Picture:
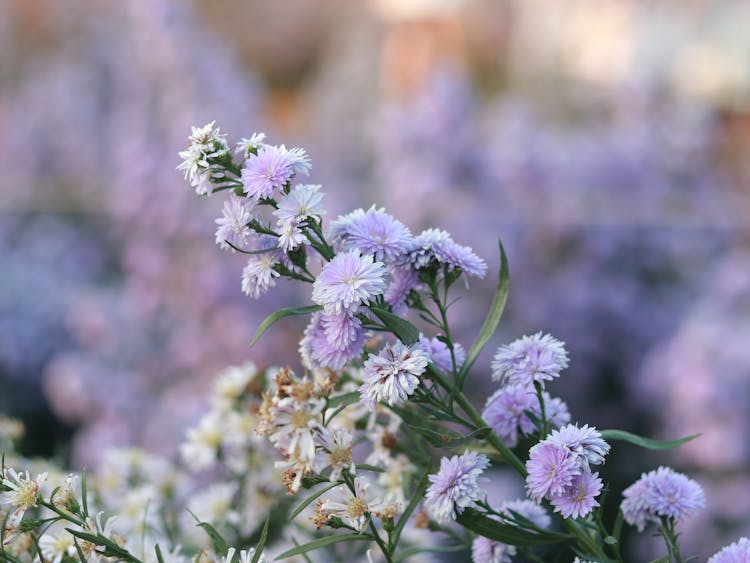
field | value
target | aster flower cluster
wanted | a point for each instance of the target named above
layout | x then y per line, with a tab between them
559	470
376	389
662	493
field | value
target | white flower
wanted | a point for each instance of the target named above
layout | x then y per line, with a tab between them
393	374
215	504
245	146
232	225
55	546
259	275
303	201
350	507
231	384
22	494
337	445
206	144
200	449
295	426
246	556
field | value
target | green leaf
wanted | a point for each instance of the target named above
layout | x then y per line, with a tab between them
220	544
493	317
368	467
505	533
344	400
261	543
159	557
84	494
438	439
280	314
403	329
305	503
647	443
323	542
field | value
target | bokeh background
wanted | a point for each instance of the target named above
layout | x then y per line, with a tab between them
606	142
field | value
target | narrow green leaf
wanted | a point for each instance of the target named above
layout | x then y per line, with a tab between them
305	503
505	533
261	543
403	329
79	551
323	542
159	557
84	494
280	314
344	400
368	467
647	443
439	439
220	544
493	317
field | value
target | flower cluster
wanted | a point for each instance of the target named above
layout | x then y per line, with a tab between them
662	493
738	552
559	470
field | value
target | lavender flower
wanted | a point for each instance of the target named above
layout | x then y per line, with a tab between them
331	340
455	486
505	412
485	550
348	280
662	492
403	280
585	443
550	469
372	232
738	552
393	374
579	498
303	201
440	355
232	225
271	169
435	246
259	275
529	359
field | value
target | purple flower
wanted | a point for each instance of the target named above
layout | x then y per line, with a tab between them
662	492
232	225
537	358
393	374
579	498
505	412
440	355
271	169
341	329
259	275
372	232
550	469
455	486
318	350
348	280
485	550
403	280
585	443
437	246
738	552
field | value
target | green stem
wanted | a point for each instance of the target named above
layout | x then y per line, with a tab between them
476	418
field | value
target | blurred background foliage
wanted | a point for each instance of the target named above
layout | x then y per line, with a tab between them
606	142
